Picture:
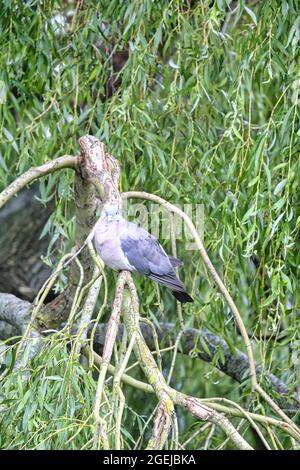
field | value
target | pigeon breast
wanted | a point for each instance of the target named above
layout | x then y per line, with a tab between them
107	243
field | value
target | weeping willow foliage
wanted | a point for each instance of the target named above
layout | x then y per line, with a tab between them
199	101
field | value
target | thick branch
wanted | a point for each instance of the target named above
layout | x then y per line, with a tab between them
96	172
100	169
14	312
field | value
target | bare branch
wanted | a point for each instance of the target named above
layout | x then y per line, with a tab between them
15	312
67	161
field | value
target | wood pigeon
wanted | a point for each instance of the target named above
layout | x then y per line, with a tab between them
123	245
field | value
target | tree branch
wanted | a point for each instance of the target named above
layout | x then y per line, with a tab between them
235	364
67	161
168	396
211	402
15	314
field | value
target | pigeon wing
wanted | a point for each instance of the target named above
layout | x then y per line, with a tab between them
144	251
147	256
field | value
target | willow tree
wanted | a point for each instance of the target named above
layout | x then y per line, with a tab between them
178	104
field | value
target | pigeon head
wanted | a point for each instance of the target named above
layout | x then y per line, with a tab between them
111	213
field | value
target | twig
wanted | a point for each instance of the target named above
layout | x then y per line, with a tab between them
117	387
195	434
176	345
77	296
99	263
87	311
127	379
110	338
247	416
155	339
209	437
174	253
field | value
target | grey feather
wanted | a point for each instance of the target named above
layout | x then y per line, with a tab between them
144	252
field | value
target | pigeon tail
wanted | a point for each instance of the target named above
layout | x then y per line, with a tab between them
182	296
171	281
